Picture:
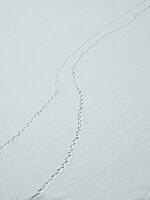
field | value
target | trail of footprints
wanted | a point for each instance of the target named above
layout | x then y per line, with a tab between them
39	194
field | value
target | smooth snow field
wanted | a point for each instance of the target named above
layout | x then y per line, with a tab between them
101	110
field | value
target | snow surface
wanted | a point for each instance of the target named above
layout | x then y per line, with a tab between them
112	159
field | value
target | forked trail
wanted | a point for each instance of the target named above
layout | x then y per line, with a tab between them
79	128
